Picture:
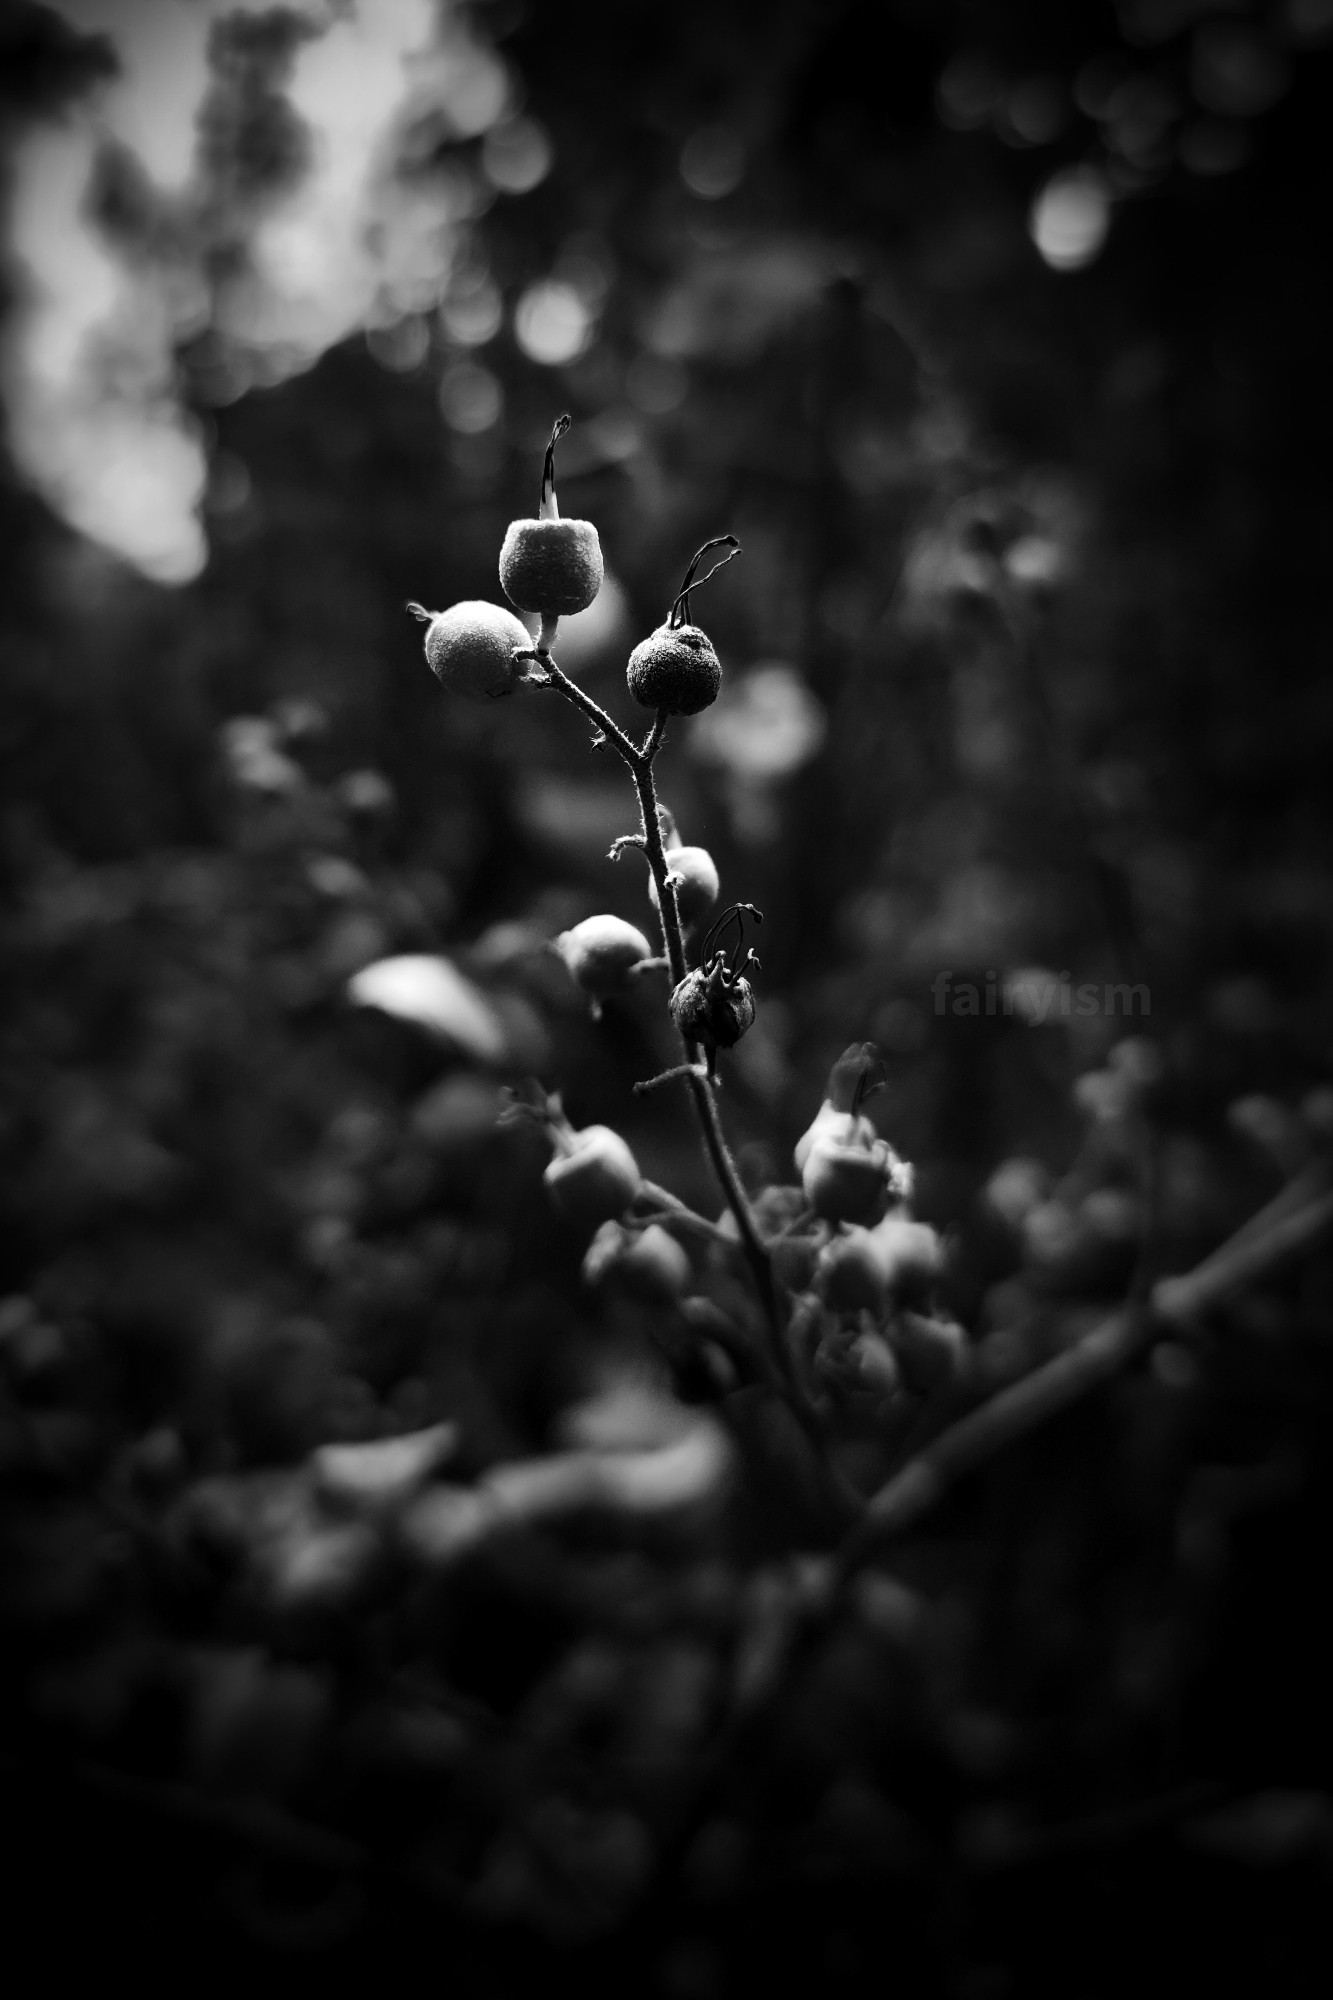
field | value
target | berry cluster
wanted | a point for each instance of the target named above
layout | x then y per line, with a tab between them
842	1307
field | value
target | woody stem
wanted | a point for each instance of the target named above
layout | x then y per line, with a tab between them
640	763
705	1100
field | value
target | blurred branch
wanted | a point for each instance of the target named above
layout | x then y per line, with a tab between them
1172	1303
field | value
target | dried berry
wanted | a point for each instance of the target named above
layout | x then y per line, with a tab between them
714	1004
471	648
551	566
676	668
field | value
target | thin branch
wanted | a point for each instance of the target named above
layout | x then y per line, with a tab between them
1173	1302
701	1090
571	690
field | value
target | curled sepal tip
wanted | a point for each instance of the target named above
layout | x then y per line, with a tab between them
680	609
549	508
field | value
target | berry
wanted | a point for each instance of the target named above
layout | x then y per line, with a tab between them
676	670
849	1273
714	1004
600	953
553	567
596	1180
711	1008
471	649
697	883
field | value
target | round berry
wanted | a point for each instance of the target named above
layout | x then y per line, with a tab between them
601	952
697	883
553	567
676	669
471	649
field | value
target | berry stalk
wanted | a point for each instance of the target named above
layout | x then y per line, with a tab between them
640	764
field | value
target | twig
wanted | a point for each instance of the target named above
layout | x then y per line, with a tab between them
1172	1302
701	1088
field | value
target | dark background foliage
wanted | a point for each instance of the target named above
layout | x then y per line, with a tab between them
1033	586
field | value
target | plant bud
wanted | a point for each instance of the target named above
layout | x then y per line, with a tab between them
597	1180
847	1128
551	567
911	1254
931	1352
857	1361
848	1183
697	883
471	649
649	1264
849	1273
794	1259
676	669
600	953
876	1365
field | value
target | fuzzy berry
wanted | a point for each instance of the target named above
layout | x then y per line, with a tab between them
596	1180
471	649
552	567
676	670
601	952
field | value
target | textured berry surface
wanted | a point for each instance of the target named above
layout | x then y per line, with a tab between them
551	567
471	649
675	670
706	1009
